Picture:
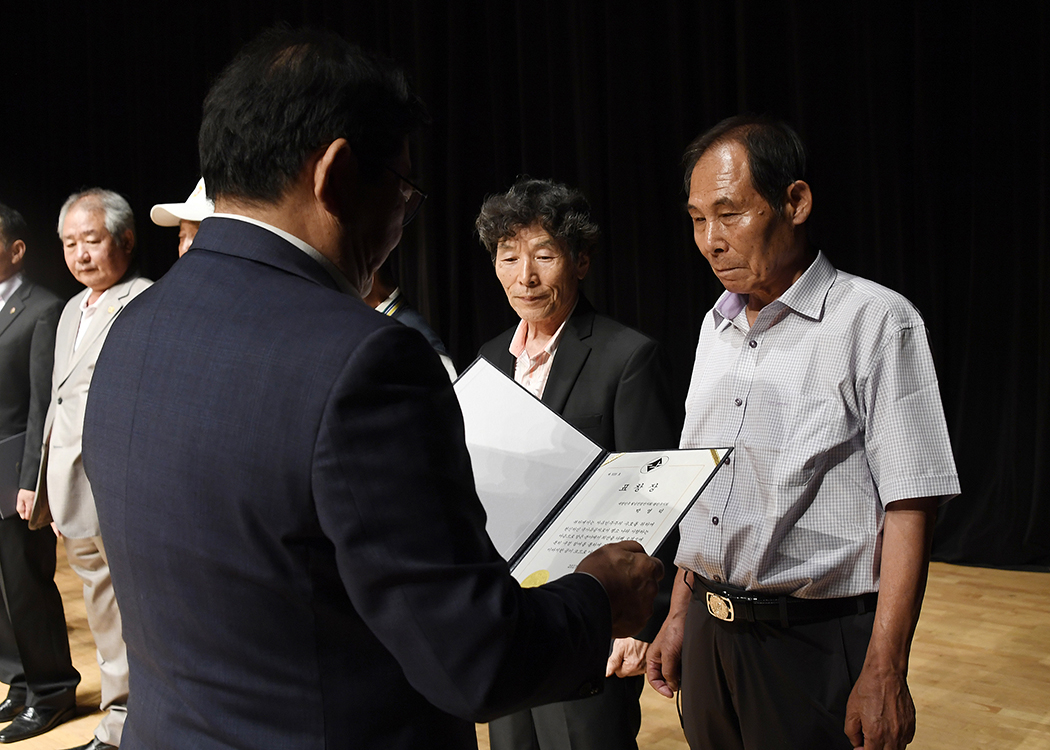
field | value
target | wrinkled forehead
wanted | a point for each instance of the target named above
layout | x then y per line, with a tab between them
721	165
532	235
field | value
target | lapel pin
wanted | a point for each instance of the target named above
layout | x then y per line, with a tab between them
12	311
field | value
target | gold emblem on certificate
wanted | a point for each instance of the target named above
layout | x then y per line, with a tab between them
532	580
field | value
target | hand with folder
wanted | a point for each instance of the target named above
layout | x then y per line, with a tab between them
630	579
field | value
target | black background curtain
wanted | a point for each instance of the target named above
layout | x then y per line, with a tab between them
927	125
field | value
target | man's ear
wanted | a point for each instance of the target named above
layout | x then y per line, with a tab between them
127	241
799	202
583	264
334	176
18	251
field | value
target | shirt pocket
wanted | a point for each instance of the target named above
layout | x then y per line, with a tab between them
776	466
792	441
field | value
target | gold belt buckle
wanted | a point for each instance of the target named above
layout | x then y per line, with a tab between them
720	607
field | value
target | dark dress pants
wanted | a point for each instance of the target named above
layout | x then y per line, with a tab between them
607	721
34	644
760	685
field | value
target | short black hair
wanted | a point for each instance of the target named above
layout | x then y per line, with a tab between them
776	156
562	211
289	93
12	225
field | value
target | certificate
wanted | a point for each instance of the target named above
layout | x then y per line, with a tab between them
552	496
637	496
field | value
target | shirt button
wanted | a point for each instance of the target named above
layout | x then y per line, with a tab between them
738	402
729	460
718	579
753	343
715	520
60	399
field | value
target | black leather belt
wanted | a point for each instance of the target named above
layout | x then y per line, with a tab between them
731	604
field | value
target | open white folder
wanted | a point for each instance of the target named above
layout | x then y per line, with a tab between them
552	496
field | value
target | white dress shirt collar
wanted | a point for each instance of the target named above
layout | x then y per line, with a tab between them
341	281
9	287
391	304
87	312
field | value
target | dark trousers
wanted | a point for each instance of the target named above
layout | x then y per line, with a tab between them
760	685
607	721
34	644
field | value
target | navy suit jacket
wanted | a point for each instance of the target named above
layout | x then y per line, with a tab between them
289	513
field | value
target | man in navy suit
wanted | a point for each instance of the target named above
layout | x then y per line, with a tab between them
280	471
387	298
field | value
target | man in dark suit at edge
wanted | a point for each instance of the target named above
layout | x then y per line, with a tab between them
607	380
387	298
34	647
280	470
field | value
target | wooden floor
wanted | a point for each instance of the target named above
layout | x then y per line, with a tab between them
81	729
980	671
980	666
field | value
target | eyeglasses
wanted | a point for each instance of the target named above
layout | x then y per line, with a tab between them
413	196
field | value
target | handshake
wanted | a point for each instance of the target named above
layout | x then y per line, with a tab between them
630	578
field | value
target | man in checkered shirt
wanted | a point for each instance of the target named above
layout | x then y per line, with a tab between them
802	566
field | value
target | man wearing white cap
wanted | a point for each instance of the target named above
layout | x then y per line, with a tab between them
187	216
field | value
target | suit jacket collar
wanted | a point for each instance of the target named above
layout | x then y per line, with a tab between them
572	353
502	357
242	239
15	304
569	359
114	302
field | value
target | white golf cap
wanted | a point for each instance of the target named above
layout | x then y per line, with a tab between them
195	208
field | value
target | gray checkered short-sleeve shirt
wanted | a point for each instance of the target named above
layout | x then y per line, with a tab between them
830	401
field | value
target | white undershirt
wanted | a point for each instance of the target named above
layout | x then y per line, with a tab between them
87	312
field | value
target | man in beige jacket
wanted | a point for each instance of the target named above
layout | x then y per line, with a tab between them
97	231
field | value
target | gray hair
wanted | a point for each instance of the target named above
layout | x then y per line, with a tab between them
119	218
562	211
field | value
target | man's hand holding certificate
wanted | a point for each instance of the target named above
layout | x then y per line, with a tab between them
630	578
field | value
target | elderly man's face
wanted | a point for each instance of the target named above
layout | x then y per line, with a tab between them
539	276
751	248
94	256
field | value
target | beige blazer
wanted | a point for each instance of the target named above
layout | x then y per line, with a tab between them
62	490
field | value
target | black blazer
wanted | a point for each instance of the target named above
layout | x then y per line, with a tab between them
608	381
611	383
27	353
291	522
